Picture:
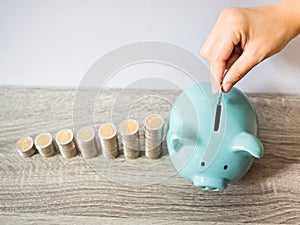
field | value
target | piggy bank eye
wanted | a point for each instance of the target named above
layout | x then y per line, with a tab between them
225	167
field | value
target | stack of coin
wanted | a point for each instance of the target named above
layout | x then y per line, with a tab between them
109	140
25	146
130	138
153	130
86	142
65	143
44	144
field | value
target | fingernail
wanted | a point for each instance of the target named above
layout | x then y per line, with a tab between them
227	86
214	84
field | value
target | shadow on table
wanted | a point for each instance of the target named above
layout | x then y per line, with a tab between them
273	162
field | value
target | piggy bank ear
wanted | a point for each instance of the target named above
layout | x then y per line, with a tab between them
174	142
248	143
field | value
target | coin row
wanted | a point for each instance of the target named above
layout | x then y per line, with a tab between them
108	135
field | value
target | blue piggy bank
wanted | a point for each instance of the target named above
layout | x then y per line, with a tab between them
212	158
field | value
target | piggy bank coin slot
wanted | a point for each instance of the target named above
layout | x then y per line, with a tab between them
218	111
217	117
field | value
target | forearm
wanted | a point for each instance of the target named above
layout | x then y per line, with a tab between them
290	10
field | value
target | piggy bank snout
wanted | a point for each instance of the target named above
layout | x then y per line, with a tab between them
209	183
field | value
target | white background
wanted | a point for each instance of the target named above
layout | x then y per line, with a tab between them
54	42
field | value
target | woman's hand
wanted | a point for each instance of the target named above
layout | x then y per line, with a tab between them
243	37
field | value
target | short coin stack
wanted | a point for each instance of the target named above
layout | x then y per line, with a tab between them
153	130
109	140
86	142
66	145
44	144
129	131
25	146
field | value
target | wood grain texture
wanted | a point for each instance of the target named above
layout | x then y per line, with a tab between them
58	190
28	218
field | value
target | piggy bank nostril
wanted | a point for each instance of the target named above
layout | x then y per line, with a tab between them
205	188
208	188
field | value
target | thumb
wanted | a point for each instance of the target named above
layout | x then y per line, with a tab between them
239	69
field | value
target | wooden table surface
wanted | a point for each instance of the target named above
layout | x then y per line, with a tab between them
36	190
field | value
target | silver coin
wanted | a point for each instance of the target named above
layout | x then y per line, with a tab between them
44	144
25	146
130	138
85	139
109	141
65	143
153	131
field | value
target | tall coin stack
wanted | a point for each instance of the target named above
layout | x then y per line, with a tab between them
86	142
109	140
25	146
130	138
65	143
153	130
44	144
